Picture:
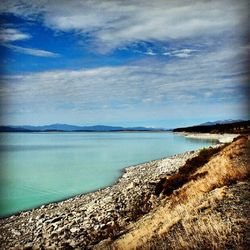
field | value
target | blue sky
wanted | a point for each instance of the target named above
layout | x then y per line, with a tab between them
130	63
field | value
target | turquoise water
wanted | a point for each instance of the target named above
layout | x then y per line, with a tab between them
38	168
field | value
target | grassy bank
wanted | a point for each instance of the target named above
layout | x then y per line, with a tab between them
204	206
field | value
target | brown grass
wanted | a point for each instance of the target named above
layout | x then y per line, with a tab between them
188	218
169	184
208	232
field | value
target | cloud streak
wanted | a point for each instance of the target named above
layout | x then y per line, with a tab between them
32	52
181	53
10	35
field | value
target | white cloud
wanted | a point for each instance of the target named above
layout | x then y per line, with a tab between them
182	53
116	23
30	51
150	52
11	35
202	79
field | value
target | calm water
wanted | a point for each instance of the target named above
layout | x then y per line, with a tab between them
37	168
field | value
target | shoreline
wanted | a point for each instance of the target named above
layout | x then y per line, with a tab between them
122	171
96	215
221	138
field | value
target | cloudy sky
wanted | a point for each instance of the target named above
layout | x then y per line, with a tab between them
158	63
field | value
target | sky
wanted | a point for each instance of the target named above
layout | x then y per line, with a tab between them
147	63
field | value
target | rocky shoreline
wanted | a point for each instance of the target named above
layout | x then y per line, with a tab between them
83	221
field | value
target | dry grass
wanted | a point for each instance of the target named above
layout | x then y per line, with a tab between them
169	184
188	219
203	233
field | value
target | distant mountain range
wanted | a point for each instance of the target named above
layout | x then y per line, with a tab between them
242	127
220	122
73	128
96	128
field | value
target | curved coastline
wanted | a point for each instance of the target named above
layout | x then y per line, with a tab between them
221	138
94	215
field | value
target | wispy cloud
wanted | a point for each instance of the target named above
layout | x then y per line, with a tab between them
182	53
11	35
150	52
30	51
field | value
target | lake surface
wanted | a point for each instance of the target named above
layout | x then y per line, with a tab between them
38	168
